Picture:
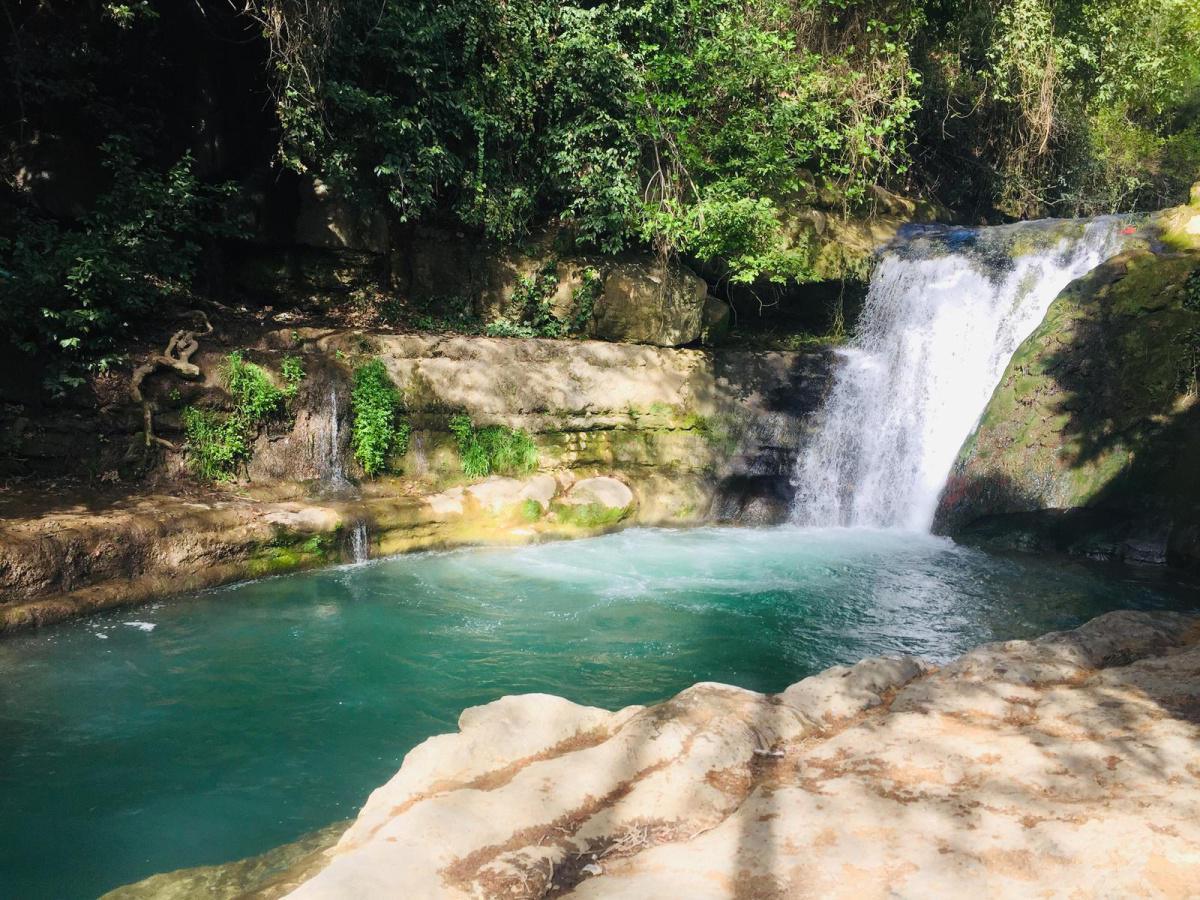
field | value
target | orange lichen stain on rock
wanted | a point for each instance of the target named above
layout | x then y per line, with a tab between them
1021	865
1171	878
489	781
825	839
734	781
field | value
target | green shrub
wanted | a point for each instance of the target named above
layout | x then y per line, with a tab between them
510	451
255	396
493	449
71	291
218	442
530	313
291	370
531	510
377	431
475	462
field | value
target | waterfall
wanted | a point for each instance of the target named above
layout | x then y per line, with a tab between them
335	469
945	312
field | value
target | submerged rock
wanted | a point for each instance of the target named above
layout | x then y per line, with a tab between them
1046	767
265	877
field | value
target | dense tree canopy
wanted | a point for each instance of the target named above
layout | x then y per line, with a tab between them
689	126
686	122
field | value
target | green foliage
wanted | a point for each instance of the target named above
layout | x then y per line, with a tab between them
1191	292
630	123
126	14
218	442
455	313
291	370
529	311
377	432
255	396
530	510
72	293
583	301
493	449
1047	106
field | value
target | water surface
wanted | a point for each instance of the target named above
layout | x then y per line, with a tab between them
218	726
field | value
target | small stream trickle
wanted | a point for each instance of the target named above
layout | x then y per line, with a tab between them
360	543
335	472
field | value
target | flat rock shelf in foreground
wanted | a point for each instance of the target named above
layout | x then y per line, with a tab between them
1064	766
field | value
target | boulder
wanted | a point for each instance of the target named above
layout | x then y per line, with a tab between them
601	491
540	488
496	493
1033	768
1088	444
645	302
716	321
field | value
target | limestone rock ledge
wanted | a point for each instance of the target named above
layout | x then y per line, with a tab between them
84	557
1063	766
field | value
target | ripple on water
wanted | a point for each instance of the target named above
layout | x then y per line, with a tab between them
219	726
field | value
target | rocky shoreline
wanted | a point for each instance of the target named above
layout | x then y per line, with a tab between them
625	435
1064	766
85	557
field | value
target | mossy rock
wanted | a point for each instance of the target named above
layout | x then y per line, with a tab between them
291	553
1098	409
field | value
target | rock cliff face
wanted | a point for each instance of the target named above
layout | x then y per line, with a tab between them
1065	766
1090	442
625	434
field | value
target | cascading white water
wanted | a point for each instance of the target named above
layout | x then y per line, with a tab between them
335	474
945	312
360	547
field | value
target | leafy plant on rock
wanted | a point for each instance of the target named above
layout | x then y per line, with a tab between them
493	449
377	430
218	442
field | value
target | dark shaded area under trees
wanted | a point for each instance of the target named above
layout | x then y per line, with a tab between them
141	141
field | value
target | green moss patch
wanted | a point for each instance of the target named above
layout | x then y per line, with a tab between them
587	515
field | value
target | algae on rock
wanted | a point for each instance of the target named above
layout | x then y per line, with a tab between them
1089	444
